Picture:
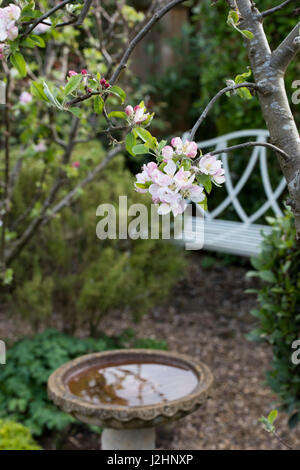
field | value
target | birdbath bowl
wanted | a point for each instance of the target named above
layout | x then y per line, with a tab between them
130	392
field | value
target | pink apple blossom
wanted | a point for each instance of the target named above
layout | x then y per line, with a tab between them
42	28
183	178
209	164
1	51
136	115
186	148
76	164
71	73
167	152
145	176
139	115
194	192
8	16
218	176
25	97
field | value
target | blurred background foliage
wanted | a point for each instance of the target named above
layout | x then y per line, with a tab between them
66	269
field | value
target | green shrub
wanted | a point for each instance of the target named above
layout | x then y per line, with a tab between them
278	314
15	436
67	269
29	363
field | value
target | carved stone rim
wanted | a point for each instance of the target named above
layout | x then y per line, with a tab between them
59	392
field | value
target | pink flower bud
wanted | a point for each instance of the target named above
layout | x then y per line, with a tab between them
71	73
102	81
167	152
107	85
129	110
76	164
84	72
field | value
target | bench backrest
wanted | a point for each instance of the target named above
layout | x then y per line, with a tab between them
258	156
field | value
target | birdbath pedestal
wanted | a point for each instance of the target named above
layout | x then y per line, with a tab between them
130	392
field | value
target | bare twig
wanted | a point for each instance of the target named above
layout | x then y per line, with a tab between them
249	144
142	33
277	8
214	99
46	15
282	441
84	12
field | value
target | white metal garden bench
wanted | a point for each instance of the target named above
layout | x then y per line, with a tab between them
240	238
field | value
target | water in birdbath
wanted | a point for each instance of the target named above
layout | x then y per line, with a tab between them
133	383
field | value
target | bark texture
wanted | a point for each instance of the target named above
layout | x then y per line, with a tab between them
269	69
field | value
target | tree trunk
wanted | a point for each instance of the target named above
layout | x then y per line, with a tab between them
269	69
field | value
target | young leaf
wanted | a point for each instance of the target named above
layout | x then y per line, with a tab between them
38	41
98	104
73	84
145	135
140	149
233	18
18	61
37	90
118	114
52	98
205	181
272	416
75	111
117	91
247	33
130	142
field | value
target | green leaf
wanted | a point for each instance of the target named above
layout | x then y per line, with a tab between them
130	142
267	276
18	61
27	42
140	149
117	91
98	104
37	90
272	416
146	136
51	97
244	93
243	76
38	41
75	111
118	114
73	84
232	18
247	33
205	180
203	204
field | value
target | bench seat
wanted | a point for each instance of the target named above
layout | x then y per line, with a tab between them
230	237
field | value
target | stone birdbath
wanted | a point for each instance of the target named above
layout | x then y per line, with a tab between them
130	392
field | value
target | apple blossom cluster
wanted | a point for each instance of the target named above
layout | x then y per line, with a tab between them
174	180
8	29
136	115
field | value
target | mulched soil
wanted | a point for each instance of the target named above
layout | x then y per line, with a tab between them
207	316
